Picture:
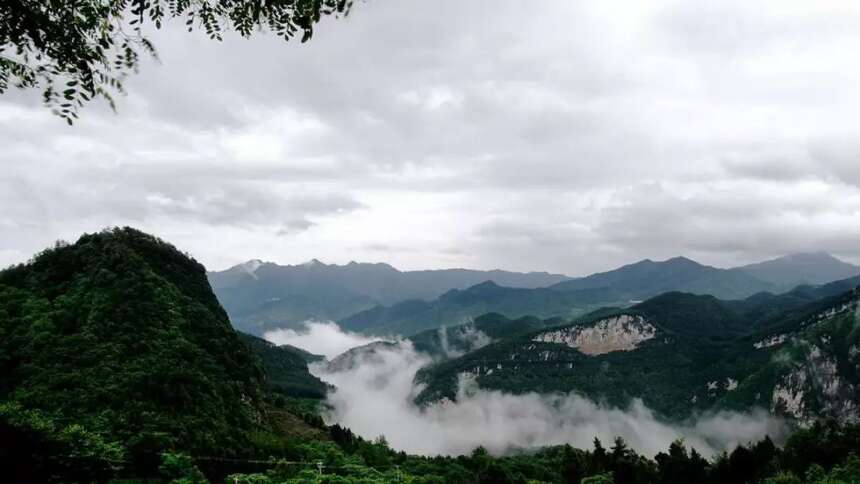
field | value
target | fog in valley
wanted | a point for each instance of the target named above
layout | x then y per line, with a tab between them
320	338
374	397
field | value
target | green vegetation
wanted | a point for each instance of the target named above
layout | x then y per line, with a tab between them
114	349
118	363
260	296
824	453
74	51
702	357
458	306
286	368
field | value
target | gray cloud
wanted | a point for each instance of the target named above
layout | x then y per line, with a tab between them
569	137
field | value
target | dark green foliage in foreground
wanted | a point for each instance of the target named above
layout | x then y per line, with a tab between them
74	51
822	454
120	337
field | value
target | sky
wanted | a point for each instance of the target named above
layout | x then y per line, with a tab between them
563	136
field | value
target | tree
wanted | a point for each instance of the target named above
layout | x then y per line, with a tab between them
76	50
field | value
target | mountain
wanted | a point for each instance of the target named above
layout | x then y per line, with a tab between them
453	341
260	296
115	348
648	278
458	306
286	368
803	268
681	354
812	372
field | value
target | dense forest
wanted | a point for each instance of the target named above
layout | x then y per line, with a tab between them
118	363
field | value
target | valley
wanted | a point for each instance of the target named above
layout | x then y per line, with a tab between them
116	351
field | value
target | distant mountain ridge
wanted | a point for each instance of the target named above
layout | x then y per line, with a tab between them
378	298
648	278
801	268
458	306
262	295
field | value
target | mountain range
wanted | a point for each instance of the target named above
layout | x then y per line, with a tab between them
261	295
682	354
377	298
118	362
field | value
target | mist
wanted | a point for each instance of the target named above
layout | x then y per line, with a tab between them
374	397
319	337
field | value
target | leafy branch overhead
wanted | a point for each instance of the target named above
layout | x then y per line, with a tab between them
77	50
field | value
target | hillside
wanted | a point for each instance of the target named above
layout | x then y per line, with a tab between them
681	353
648	278
459	306
115	348
260	295
802	268
286	368
452	341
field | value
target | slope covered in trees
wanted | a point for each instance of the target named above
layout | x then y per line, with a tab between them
115	348
682	353
260	296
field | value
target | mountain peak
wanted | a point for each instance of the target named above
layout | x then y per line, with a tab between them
312	263
790	270
488	284
681	260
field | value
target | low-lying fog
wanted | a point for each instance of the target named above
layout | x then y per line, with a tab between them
374	397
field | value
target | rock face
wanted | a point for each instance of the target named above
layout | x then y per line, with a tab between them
818	376
618	333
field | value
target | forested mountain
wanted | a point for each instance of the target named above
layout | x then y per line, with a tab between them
260	295
648	278
286	368
117	363
802	268
682	353
379	299
114	349
453	341
459	306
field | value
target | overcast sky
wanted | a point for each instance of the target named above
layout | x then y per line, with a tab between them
561	136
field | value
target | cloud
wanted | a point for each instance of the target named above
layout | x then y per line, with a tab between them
320	338
374	397
513	138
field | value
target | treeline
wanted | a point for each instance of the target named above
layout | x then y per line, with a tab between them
824	453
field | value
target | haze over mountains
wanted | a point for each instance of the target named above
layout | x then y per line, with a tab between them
117	350
377	298
261	295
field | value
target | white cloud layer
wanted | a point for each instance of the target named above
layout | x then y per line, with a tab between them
564	136
374	397
319	337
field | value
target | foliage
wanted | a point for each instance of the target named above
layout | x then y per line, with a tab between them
286	369
77	50
352	462
702	358
120	336
116	361
180	469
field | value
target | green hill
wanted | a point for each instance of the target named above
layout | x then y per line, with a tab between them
459	306
682	353
115	348
286	368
